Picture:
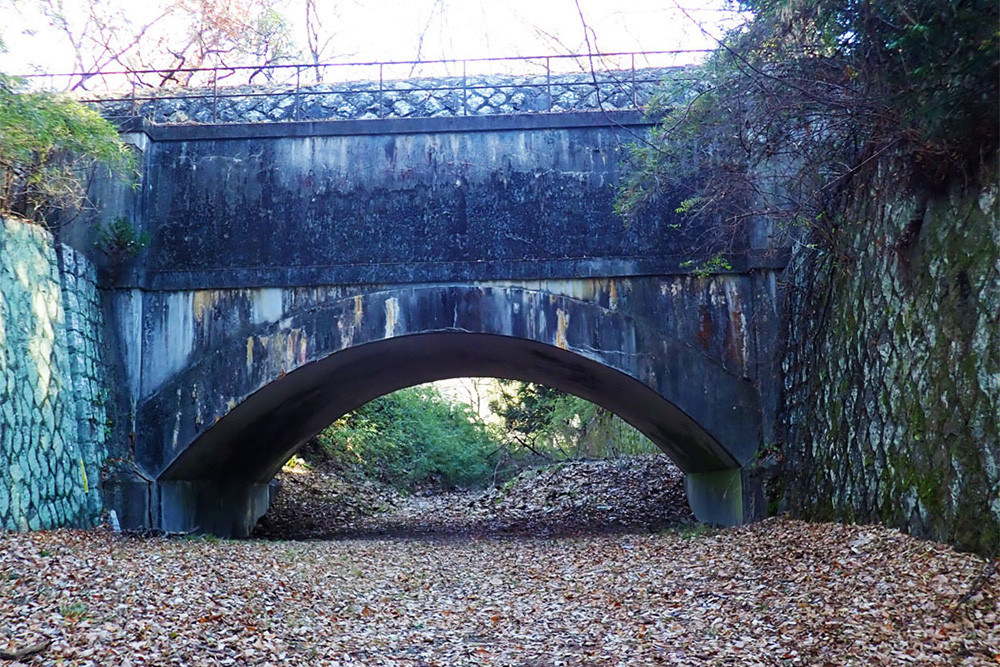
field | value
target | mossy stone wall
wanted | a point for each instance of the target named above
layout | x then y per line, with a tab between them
892	369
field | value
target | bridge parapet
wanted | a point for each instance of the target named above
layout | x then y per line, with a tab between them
611	82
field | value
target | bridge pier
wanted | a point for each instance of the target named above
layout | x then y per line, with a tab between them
716	497
232	509
187	506
208	506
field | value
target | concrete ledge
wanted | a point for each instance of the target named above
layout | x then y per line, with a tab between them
442	271
386	126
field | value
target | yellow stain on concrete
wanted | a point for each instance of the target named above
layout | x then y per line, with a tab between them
249	355
205	300
563	322
359	310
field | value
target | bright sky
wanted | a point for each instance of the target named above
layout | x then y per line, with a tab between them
369	30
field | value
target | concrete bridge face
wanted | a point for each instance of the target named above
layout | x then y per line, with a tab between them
297	271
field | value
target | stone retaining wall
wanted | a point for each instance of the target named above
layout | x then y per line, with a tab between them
53	424
413	98
892	377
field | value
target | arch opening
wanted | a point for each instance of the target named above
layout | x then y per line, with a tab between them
250	444
217	432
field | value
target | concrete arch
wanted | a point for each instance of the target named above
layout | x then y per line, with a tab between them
217	431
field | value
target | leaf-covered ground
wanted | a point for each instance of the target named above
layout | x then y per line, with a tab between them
634	493
780	592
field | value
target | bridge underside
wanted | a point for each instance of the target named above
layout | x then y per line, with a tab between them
253	441
220	483
216	433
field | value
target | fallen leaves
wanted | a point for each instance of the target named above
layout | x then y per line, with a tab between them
780	592
574	497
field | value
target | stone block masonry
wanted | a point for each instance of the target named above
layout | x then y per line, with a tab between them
53	419
892	378
415	98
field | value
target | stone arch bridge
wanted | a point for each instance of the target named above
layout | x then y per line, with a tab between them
299	270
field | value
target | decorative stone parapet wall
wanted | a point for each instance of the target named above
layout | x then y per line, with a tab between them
52	398
892	377
413	98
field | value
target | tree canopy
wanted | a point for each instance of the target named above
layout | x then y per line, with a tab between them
48	146
171	36
809	96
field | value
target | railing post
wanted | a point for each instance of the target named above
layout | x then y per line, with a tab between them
215	94
381	95
548	84
298	76
465	91
635	93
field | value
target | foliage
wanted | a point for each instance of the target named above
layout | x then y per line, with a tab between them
526	409
119	240
48	146
550	424
170	36
808	97
414	437
714	264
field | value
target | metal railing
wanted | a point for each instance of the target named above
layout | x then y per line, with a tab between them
625	72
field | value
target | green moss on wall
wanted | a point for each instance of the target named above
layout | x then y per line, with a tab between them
900	421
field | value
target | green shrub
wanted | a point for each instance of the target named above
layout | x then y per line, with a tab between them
48	145
414	437
119	240
545	423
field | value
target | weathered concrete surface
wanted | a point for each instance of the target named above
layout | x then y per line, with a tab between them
53	422
718	494
298	271
255	373
333	359
435	200
892	377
